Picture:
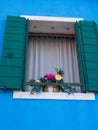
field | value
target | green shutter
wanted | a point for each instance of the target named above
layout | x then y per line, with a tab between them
12	65
87	49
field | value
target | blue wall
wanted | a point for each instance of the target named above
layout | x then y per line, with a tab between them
47	114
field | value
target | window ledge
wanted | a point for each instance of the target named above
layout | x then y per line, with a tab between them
57	96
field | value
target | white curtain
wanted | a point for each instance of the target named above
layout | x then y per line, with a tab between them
46	52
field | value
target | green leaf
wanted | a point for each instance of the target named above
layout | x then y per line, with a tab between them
36	89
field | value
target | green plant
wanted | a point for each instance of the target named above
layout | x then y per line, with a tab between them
51	79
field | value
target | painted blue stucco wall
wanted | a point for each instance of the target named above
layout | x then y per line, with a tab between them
47	114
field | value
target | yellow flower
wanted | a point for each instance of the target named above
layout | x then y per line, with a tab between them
58	77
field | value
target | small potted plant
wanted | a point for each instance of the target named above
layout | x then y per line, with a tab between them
50	80
51	83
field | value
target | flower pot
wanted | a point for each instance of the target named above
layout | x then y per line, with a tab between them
45	89
56	89
51	89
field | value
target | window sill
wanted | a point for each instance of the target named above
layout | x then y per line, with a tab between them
54	96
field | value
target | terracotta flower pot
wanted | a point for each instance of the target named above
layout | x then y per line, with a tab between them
56	89
51	89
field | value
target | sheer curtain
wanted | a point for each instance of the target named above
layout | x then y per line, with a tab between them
46	52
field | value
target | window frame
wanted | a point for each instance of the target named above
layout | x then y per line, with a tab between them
60	25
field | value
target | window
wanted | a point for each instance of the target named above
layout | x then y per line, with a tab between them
51	44
13	64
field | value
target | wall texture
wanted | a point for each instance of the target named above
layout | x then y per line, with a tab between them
47	114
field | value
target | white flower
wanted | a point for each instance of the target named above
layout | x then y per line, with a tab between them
37	81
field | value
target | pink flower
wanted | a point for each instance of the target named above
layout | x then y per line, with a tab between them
49	76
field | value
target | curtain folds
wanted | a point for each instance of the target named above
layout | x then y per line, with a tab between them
45	53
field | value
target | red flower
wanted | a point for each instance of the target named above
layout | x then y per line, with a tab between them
49	76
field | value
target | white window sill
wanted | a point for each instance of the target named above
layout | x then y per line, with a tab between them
57	96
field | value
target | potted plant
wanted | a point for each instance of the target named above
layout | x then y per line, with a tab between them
47	83
51	83
52	78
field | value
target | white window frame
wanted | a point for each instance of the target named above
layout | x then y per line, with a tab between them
45	95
